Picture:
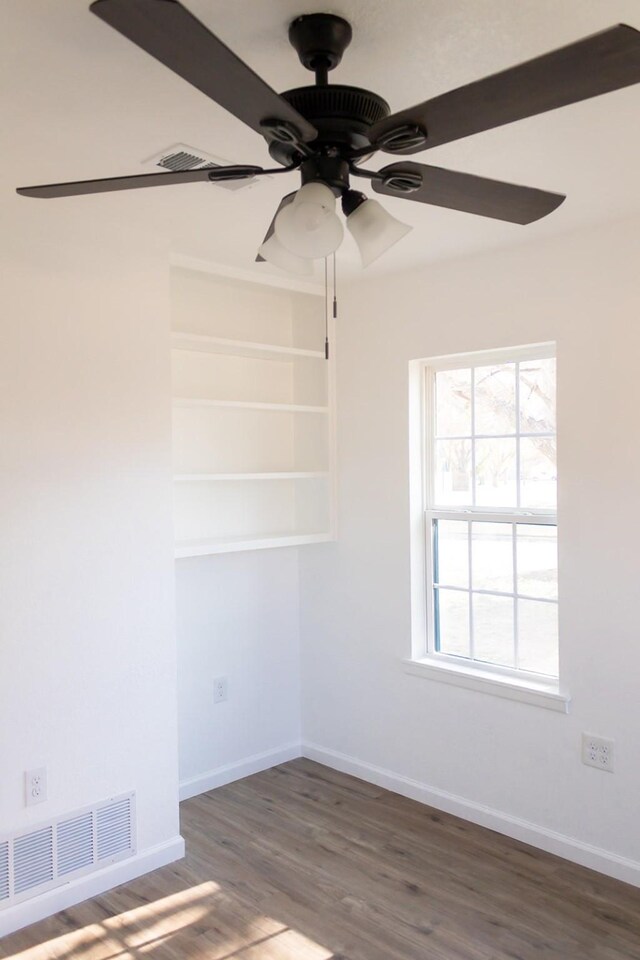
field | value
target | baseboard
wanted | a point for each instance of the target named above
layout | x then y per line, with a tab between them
237	770
30	911
610	864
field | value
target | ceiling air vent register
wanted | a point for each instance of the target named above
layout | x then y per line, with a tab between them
180	156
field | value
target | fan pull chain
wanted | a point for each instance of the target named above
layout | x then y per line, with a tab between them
335	289
326	301
326	309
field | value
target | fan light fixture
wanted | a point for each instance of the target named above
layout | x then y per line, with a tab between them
277	254
371	226
309	227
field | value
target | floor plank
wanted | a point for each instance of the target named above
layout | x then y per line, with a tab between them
304	863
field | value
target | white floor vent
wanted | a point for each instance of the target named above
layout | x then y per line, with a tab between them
72	845
4	871
33	860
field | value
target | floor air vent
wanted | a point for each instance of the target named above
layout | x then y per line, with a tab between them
4	871
71	846
114	830
179	156
33	860
75	844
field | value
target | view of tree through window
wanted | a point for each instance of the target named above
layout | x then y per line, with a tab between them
493	567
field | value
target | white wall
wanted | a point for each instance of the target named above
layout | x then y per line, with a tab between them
87	646
237	617
238	613
520	761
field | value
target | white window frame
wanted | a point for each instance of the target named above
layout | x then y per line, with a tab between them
425	660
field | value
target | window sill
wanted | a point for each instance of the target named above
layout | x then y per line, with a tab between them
541	694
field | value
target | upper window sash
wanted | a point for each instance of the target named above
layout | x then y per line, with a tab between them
434	442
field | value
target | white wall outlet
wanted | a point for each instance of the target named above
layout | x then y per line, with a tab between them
220	689
597	752
35	786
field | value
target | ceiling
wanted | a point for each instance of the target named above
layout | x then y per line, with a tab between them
78	101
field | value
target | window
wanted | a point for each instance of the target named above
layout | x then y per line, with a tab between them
489	493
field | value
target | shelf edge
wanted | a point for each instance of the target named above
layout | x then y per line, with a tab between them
248	405
204	343
265	475
183	549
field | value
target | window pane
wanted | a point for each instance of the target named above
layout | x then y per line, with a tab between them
492	556
451	552
538	472
537	548
496	473
453	472
538	636
494	449
453	403
495	397
452	622
493	635
538	396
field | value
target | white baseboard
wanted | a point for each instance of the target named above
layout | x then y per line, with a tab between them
611	864
30	911
237	770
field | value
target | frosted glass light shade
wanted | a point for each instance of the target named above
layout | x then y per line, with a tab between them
309	226
274	252
374	230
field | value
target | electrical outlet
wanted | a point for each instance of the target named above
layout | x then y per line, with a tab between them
35	786
220	689
597	752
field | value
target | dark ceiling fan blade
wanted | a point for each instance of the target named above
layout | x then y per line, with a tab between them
598	64
286	200
466	192
49	190
171	34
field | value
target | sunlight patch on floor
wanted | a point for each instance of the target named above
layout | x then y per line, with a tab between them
199	923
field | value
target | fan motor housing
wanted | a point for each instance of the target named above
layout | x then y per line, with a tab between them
342	116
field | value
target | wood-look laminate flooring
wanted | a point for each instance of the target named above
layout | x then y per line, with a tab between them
303	863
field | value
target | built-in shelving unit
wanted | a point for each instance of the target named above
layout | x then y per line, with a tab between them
253	416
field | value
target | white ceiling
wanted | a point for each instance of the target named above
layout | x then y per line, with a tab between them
79	101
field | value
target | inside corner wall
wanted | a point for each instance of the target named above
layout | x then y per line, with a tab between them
87	626
237	617
237	612
512	763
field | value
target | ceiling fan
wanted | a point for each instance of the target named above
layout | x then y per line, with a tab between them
326	131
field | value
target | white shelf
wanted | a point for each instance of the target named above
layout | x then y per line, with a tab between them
199	548
248	405
294	475
240	348
251	348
